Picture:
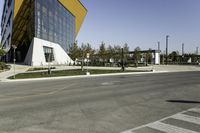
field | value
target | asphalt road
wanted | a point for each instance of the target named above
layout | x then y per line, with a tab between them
110	104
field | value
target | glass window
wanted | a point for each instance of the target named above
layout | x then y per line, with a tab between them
48	53
54	23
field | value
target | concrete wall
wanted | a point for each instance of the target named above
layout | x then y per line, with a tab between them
157	58
36	57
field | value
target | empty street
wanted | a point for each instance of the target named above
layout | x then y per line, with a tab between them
110	104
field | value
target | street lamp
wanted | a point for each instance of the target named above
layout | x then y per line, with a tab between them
167	37
14	48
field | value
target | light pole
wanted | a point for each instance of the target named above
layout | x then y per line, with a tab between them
159	46
183	45
167	37
14	48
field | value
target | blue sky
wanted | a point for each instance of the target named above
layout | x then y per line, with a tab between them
141	23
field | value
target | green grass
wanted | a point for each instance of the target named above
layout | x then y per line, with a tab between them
39	68
65	73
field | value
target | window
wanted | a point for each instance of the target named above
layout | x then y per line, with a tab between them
56	23
9	20
48	53
9	2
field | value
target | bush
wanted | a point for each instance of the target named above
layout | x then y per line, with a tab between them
3	66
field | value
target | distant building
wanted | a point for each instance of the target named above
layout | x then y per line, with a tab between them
155	56
42	30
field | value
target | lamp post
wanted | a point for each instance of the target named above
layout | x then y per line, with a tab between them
167	37
159	46
88	56
14	48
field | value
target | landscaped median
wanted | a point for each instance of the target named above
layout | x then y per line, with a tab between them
73	72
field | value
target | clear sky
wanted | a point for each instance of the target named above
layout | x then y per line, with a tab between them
141	23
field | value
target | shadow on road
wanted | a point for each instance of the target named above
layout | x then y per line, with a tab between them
183	101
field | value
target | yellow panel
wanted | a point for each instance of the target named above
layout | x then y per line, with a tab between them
17	5
77	9
74	6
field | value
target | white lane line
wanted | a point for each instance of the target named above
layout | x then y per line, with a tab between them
197	110
187	118
127	131
169	128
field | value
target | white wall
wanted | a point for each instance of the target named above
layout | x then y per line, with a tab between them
35	55
157	58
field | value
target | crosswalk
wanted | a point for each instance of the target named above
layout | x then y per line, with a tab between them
184	122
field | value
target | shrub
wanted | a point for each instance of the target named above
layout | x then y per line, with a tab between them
3	66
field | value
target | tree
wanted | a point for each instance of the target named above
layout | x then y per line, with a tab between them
137	55
102	52
89	49
126	51
174	56
110	52
74	51
149	56
126	48
117	53
2	52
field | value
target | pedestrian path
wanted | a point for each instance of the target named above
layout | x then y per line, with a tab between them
11	72
184	122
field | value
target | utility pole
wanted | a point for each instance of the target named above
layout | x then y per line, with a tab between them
167	37
183	45
159	46
197	50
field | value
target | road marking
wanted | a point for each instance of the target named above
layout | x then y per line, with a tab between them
110	83
197	110
169	128
187	118
179	116
127	131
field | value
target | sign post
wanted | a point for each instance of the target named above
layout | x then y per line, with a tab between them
14	58
88	56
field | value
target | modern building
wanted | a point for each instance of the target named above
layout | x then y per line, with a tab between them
42	30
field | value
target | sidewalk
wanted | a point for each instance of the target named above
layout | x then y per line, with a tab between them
155	68
23	69
18	69
176	68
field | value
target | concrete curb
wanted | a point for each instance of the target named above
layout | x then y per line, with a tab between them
81	76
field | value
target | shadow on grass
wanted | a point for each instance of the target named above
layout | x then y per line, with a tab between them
183	101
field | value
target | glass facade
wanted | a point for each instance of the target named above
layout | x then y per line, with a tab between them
53	22
23	30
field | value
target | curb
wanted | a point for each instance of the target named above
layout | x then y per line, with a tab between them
80	76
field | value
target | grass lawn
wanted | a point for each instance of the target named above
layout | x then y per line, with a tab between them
39	68
67	73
